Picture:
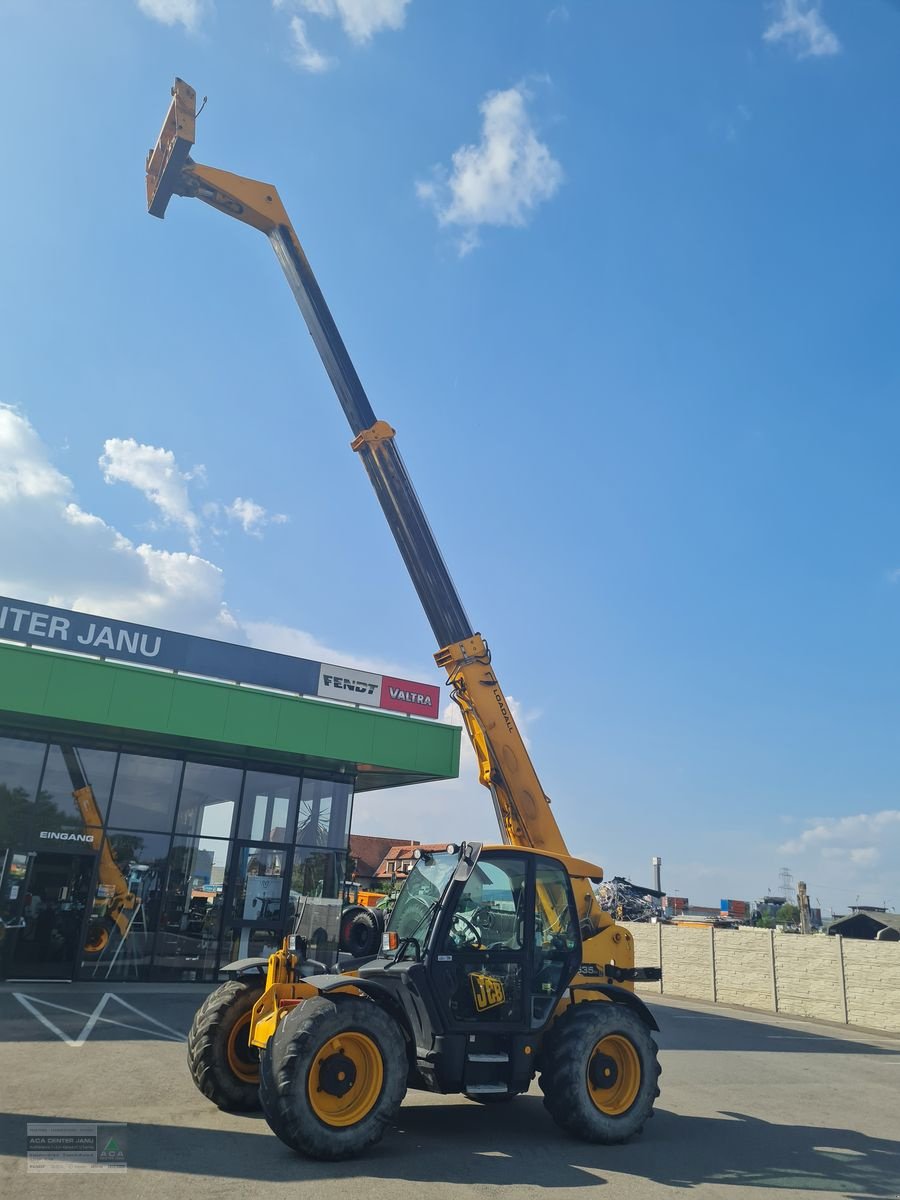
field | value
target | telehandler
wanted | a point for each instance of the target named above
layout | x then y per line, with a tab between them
497	962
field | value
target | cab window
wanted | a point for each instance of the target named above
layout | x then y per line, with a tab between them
490	911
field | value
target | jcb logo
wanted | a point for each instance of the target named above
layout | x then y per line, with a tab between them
488	991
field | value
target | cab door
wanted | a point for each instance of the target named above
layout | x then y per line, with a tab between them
478	955
507	945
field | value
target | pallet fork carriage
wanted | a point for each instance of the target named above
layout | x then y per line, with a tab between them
497	963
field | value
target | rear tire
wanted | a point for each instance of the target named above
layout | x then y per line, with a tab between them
360	931
223	1065
333	1076
600	1072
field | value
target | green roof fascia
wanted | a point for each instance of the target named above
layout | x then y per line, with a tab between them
44	690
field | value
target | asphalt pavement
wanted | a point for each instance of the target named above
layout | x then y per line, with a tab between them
751	1106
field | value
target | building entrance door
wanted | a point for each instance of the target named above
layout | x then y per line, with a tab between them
47	907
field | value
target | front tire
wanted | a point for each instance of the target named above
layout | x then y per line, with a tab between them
223	1064
333	1076
600	1072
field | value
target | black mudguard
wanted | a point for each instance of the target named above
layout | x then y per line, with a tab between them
620	995
245	966
383	996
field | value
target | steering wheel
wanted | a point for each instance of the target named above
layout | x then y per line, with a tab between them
484	915
459	919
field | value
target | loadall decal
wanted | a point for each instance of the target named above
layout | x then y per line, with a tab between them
488	991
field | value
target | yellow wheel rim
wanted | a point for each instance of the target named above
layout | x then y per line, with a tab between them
243	1059
345	1079
97	941
614	1075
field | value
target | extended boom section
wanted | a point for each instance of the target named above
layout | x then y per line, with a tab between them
522	808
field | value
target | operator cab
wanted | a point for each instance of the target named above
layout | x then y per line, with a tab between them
491	935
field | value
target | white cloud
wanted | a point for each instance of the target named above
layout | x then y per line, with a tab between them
864	856
53	551
360	19
799	24
305	54
843	831
188	13
852	854
499	181
154	472
25	472
252	517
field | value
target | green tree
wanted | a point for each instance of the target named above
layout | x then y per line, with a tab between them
788	914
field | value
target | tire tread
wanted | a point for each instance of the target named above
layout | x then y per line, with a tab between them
206	1046
564	1065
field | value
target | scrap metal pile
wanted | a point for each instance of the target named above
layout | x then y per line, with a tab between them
626	901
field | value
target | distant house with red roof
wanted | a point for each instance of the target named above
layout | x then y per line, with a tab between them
399	860
367	854
378	860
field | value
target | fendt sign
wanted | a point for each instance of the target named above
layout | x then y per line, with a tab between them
63	629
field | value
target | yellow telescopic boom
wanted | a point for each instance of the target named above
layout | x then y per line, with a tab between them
505	767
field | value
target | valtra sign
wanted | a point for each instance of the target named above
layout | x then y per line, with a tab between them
123	641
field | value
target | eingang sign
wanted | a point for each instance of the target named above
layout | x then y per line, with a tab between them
64	629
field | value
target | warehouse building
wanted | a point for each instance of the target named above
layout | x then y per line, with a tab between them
170	803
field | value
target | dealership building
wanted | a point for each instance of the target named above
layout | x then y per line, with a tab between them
169	803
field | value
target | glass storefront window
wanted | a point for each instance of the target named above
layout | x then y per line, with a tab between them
20	771
317	882
209	797
258	912
259	884
145	792
318	873
268	806
174	896
126	905
190	920
323	814
69	768
251	942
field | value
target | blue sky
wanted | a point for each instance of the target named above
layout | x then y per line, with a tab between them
624	277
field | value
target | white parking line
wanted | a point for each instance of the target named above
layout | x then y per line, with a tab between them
29	1002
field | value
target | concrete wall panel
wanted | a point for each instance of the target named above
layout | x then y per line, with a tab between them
872	972
744	967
